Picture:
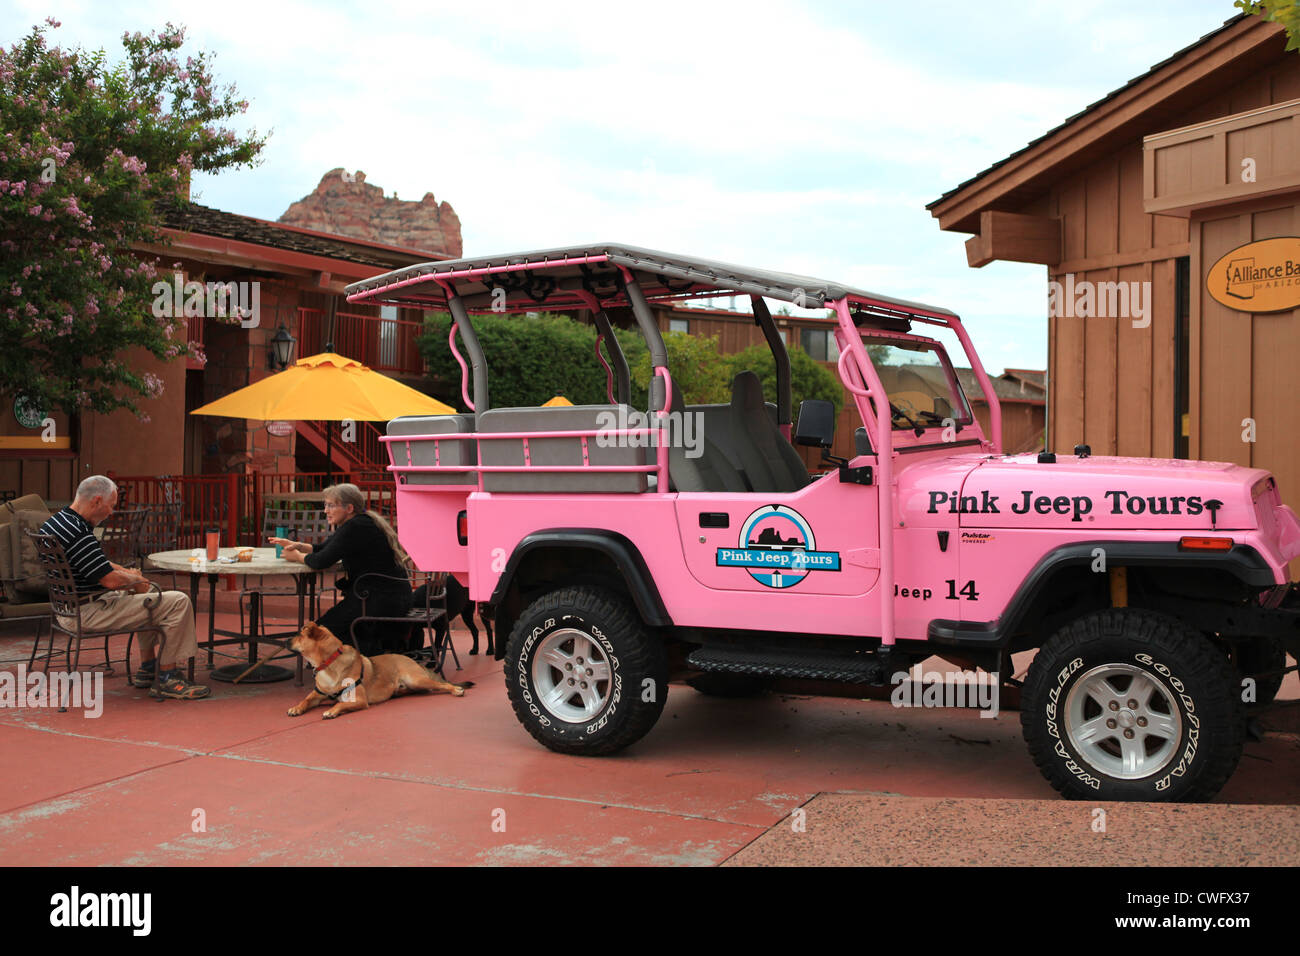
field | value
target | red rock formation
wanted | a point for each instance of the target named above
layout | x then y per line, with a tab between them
346	205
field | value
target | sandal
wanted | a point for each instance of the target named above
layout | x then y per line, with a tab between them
172	686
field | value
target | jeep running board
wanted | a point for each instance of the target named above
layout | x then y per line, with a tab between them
851	667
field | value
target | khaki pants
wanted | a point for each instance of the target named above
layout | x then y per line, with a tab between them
119	611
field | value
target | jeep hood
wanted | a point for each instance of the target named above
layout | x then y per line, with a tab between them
1017	491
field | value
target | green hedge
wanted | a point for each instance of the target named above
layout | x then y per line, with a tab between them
531	360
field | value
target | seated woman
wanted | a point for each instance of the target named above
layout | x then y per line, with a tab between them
365	543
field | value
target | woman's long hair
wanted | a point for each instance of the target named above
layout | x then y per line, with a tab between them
352	495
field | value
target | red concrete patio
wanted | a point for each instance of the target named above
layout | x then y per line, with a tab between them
441	780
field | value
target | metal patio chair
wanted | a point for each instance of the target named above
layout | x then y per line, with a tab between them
424	615
159	531
120	538
300	525
67	604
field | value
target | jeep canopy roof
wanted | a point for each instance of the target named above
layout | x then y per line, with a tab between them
571	277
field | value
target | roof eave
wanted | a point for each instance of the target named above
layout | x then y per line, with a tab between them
1027	170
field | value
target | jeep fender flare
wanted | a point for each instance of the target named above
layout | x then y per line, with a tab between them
1242	562
622	554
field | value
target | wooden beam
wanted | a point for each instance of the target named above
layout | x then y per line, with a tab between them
1014	238
1113	260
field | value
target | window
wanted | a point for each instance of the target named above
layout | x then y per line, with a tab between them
819	344
920	381
679	325
388	336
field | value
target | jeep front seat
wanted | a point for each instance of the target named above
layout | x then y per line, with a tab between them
770	462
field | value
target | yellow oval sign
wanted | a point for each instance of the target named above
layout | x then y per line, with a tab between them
1260	276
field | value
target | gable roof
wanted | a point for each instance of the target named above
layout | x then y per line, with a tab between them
1166	89
204	220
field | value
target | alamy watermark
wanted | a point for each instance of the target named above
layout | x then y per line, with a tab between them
1085	299
128	910
917	688
685	430
211	300
37	689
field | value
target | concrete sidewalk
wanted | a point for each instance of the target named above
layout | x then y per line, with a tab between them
442	780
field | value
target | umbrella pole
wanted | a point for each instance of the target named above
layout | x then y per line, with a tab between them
329	450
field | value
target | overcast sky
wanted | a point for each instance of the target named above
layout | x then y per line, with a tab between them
805	137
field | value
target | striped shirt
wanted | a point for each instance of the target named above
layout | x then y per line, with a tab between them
88	561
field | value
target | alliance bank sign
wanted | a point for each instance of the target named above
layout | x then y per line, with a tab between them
1260	276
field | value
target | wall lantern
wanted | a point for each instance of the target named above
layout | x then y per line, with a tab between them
281	352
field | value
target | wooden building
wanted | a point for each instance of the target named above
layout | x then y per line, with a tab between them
1173	323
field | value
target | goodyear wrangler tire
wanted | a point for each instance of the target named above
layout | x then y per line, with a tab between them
1127	704
583	675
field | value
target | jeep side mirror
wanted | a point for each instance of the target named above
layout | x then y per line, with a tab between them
816	425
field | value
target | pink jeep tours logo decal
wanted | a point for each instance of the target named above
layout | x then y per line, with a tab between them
777	548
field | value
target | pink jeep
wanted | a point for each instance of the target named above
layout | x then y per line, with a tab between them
621	552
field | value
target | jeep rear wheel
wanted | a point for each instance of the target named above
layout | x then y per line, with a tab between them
1127	704
582	674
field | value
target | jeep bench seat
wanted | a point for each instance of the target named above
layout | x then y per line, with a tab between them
560	451
449	452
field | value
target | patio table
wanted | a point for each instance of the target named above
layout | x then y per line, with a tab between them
264	562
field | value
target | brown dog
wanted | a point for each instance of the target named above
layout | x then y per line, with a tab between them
354	681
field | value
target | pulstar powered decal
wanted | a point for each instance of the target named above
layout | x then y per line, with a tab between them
777	548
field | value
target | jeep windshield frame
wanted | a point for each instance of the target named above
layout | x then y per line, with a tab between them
943	387
605	276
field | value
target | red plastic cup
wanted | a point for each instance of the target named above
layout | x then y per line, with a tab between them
214	545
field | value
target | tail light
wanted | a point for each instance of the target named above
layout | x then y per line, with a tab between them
462	528
1204	544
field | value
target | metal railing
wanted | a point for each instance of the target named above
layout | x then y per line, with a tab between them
233	504
384	344
365	451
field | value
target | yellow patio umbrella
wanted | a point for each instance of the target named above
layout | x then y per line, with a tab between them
326	387
557	400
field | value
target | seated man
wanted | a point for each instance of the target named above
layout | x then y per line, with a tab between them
124	609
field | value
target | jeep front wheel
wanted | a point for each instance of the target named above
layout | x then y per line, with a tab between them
1127	704
583	675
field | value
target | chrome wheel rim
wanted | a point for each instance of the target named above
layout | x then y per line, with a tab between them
1123	721
571	675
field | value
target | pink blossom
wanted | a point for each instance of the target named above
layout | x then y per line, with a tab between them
35	210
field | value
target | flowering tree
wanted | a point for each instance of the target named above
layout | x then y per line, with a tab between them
89	151
1285	12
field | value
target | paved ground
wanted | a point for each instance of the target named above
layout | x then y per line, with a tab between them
232	780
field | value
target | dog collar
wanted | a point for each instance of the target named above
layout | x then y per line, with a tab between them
330	660
356	681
